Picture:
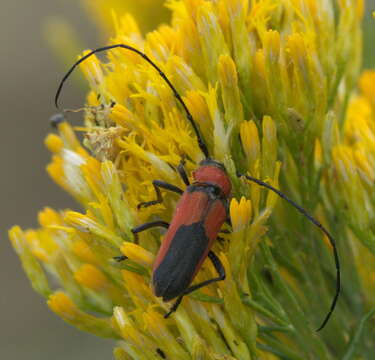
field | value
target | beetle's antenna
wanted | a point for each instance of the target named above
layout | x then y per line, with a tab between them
201	142
321	227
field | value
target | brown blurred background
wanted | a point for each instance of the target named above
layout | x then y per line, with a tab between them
29	74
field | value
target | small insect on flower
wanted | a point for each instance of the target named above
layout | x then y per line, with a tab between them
198	217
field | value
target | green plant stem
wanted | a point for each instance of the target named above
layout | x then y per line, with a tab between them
352	348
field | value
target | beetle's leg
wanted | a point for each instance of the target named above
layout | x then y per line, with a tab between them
141	228
147	226
120	258
150	225
218	267
220	239
182	172
220	270
159	184
160	352
174	307
227	231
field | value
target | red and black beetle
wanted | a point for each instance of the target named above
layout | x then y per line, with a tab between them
199	215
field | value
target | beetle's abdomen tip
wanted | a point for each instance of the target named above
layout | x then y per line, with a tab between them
165	291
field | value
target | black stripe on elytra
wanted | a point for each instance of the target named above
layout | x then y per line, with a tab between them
174	274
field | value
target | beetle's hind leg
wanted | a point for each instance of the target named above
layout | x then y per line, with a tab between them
218	267
220	270
174	307
159	184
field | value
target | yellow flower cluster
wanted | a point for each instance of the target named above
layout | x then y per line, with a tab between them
78	249
264	80
354	161
351	184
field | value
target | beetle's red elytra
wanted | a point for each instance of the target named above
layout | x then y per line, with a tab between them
199	215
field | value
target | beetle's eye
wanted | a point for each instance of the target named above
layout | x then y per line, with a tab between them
216	191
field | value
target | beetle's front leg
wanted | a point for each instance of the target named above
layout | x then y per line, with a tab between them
182	172
159	184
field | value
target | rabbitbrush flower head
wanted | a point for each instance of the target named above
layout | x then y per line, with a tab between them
269	83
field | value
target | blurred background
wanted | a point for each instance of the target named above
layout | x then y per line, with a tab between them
30	73
30	69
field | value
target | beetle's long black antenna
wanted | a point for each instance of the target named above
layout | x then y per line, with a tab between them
321	227
201	143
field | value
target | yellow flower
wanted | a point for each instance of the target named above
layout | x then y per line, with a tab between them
240	213
148	13
265	81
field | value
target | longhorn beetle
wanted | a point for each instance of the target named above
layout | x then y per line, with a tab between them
198	217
